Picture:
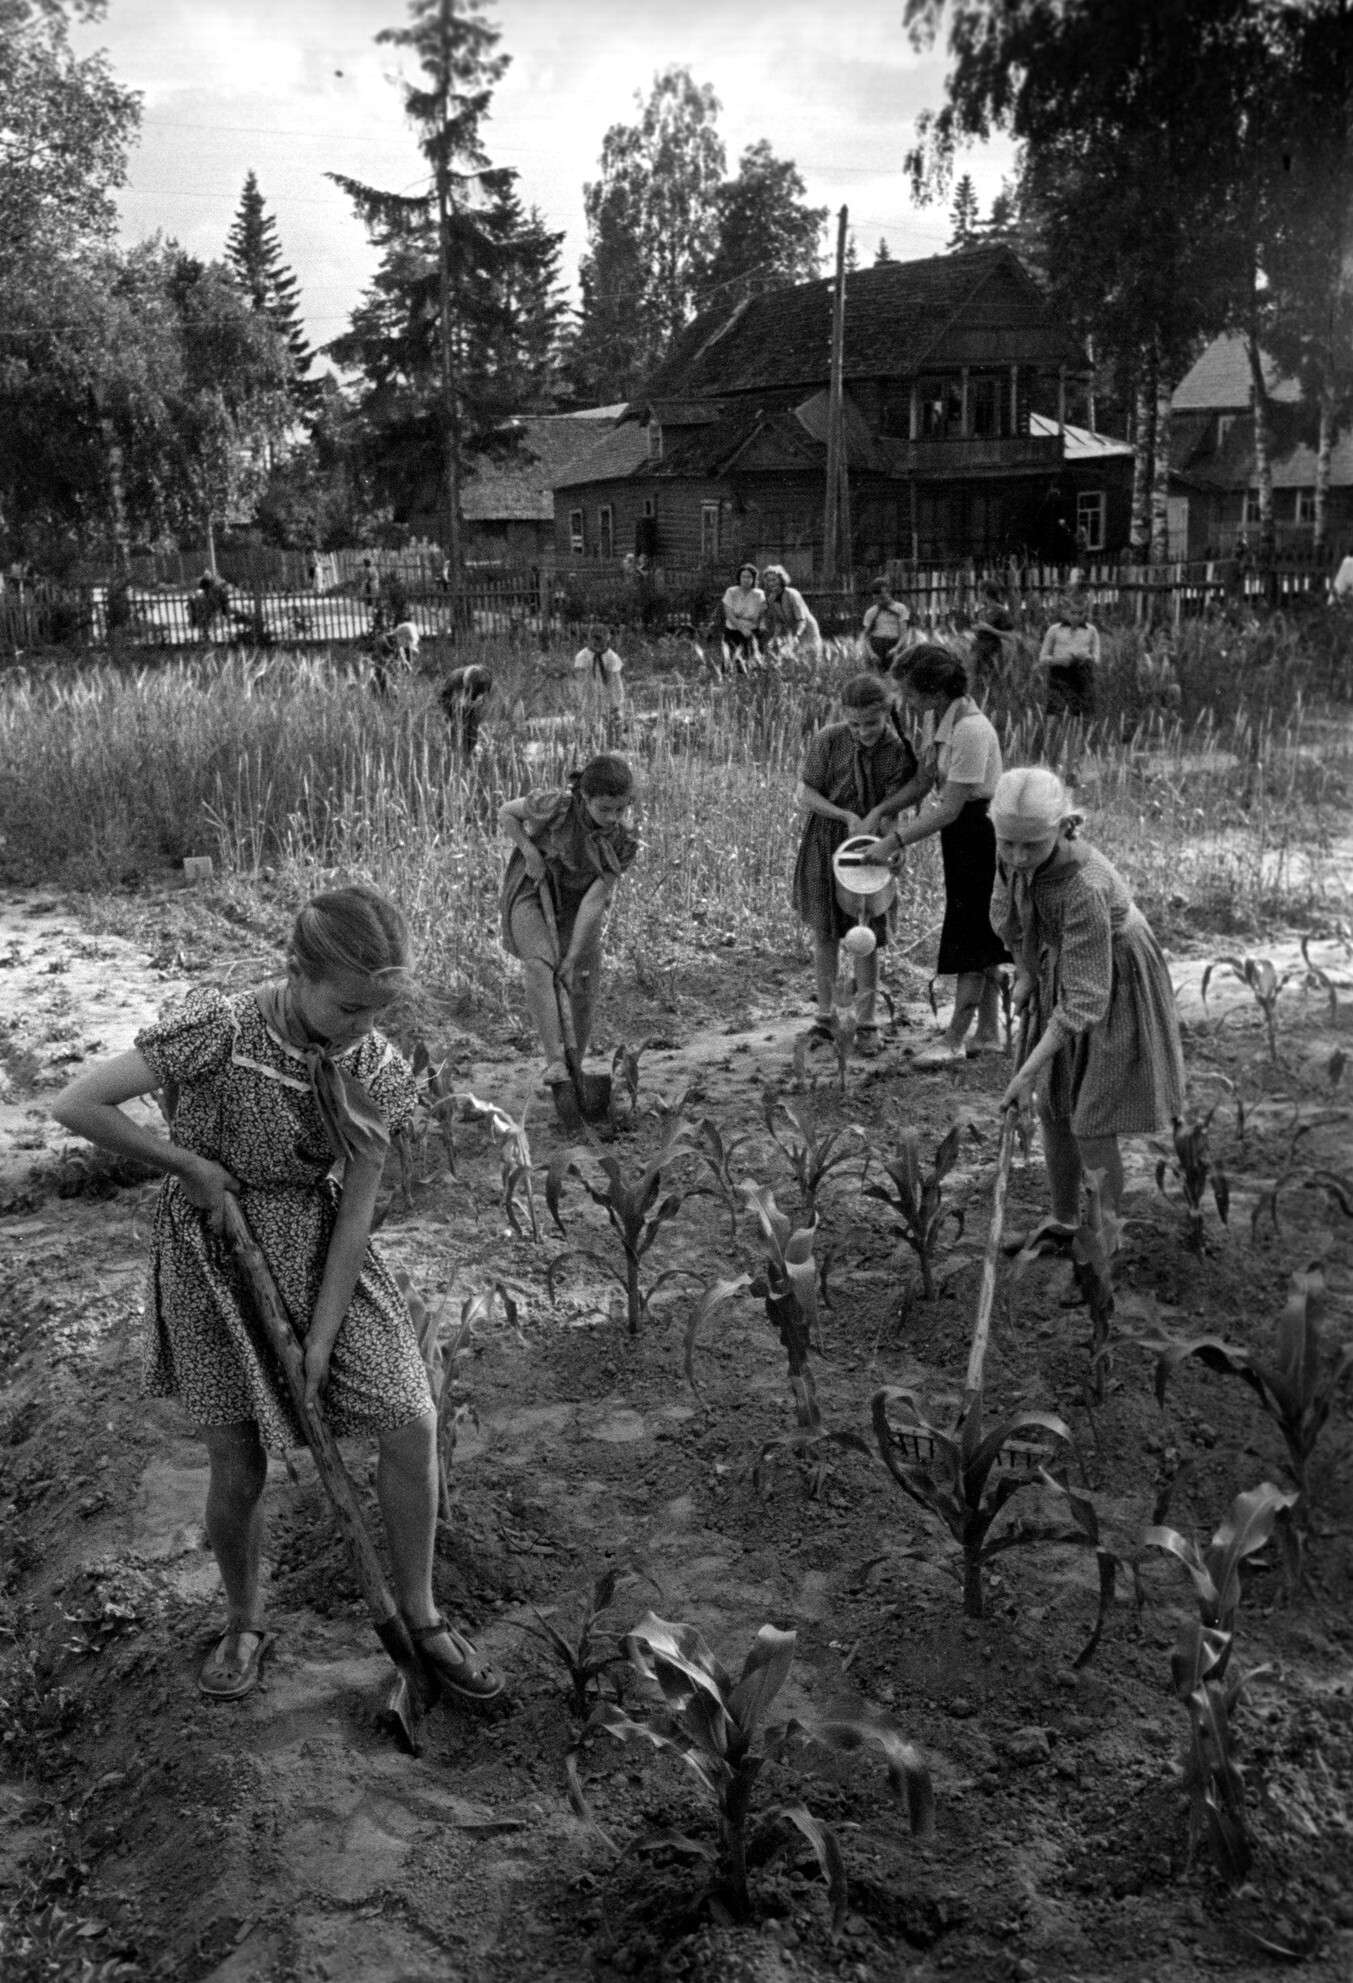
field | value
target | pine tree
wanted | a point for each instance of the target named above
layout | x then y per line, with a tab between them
883	253
254	252
440	335
963	221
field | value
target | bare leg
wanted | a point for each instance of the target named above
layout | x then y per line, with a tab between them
866	987
1101	1153
1062	1155
826	959
989	1008
406	1486
967	1001
583	1001
543	1006
234	1517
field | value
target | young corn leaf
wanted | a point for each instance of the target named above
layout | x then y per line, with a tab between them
916	1197
812	1154
1215	1571
636	1208
1193	1170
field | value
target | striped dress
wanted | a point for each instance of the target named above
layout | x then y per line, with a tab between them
1102	985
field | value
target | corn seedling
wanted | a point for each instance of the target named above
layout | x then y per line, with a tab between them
436	1105
1307	1177
1268	984
514	1160
1092	1272
590	1650
441	1357
637	1209
916	1197
965	1476
716	1156
1193	1170
1297	1382
1199	1673
625	1072
812	1155
715	1725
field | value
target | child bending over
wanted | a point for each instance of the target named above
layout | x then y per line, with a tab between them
855	777
1104	1057
285	1096
569	849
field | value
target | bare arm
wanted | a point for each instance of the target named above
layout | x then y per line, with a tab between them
888	807
90	1106
947	807
342	1269
808	800
512	822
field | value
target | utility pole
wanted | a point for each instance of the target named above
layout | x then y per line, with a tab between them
450	409
836	450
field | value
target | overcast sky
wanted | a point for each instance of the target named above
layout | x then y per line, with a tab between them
296	88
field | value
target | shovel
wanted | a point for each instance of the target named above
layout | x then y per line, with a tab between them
582	1096
415	1690
986	1293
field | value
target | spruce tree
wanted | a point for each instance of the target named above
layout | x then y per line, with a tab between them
254	252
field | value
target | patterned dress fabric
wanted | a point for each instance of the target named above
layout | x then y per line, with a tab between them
841	770
1103	986
576	852
242	1098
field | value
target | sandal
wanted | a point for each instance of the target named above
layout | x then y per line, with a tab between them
1049	1236
468	1675
821	1030
232	1667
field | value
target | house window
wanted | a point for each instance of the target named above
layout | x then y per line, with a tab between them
1250	509
1304	512
1090	518
649	509
709	533
577	541
655	440
605	531
985	398
939	407
1225	422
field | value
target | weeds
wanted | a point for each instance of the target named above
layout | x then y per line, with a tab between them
715	1725
637	1209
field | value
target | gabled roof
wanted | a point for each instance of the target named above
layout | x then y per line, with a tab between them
979	307
1219	381
1079	443
520	487
620	452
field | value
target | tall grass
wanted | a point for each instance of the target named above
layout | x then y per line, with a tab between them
292	769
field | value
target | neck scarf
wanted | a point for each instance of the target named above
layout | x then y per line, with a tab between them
354	1127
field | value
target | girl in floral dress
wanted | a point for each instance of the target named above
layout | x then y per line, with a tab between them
1104	1057
287	1097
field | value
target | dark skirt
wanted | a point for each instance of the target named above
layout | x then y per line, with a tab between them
815	883
1071	689
968	850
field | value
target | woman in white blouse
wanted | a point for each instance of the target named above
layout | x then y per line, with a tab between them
966	766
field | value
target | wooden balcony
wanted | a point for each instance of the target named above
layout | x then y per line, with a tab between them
969	455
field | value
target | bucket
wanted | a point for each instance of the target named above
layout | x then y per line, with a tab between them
863	887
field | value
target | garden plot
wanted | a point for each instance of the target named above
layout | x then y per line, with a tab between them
160	1835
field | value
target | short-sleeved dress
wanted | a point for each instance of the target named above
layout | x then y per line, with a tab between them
968	750
1103	985
242	1098
840	769
576	852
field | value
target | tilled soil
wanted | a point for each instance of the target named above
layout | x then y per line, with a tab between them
146	1832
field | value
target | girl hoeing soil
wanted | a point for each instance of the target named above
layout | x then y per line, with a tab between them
855	776
1105	1058
570	846
285	1096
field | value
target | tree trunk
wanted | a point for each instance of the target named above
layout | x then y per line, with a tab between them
1324	451
1160	469
1143	435
117	498
1263	464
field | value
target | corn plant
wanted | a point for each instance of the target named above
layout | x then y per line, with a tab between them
637	1209
437	1103
1199	1673
625	1070
1193	1170
1268	985
788	1288
590	1651
916	1197
1309	1178
716	1726
516	1169
1092	1272
716	1156
965	1476
812	1155
441	1357
1297	1382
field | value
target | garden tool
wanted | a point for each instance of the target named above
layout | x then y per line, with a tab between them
583	1095
415	1689
986	1294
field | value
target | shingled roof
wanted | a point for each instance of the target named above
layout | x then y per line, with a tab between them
979	307
1219	381
520	488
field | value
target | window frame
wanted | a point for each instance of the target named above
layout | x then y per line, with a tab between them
605	530
1092	503
709	533
577	532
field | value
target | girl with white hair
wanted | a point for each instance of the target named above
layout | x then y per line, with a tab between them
1104	1058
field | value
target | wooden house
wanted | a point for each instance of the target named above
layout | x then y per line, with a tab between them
1212	455
507	504
948	362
